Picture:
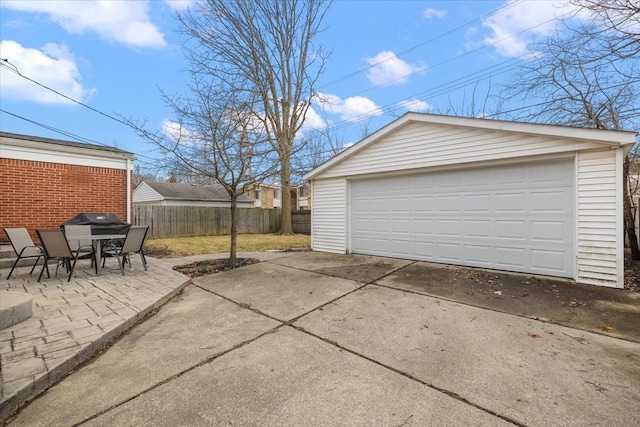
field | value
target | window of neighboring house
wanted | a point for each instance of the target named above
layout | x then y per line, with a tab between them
258	194
304	208
304	191
276	193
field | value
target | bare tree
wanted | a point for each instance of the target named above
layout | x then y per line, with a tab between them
264	48
215	138
584	77
319	146
618	25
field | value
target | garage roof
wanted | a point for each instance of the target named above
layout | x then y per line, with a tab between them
605	137
180	191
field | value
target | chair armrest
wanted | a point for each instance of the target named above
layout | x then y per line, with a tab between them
38	248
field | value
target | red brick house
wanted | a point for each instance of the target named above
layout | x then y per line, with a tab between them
44	182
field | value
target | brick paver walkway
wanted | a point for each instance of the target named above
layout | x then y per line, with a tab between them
72	320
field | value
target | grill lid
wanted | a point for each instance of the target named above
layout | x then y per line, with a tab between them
101	223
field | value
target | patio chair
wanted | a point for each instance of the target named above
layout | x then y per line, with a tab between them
23	246
56	246
83	247
132	245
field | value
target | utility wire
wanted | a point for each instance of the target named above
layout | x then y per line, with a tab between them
433	39
11	67
56	130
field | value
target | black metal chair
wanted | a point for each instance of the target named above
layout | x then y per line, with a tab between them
23	246
56	246
132	245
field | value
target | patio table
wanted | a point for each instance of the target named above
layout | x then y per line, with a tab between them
97	240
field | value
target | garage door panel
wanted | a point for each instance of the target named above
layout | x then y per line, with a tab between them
423	204
517	217
549	201
379	205
511	176
400	204
480	255
511	202
424	251
401	226
477	203
448	252
380	225
510	257
424	227
477	228
401	247
546	260
510	229
448	204
548	231
447	228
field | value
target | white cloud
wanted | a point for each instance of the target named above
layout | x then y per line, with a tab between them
521	23
125	22
313	120
387	69
352	109
179	5
173	129
416	105
53	66
434	13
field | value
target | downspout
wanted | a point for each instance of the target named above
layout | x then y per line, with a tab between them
129	171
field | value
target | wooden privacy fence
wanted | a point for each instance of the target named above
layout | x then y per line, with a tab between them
189	221
301	222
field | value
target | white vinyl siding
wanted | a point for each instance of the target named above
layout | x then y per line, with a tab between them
329	215
420	145
145	194
598	225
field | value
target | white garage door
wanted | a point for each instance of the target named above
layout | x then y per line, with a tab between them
518	217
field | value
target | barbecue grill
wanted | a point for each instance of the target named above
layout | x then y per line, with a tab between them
101	223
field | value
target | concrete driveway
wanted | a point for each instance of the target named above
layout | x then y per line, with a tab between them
318	339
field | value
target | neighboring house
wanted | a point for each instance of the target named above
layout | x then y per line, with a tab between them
178	194
303	197
44	181
521	197
266	196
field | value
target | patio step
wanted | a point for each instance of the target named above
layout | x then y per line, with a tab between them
8	257
14	308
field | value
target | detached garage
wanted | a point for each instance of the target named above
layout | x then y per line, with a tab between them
519	197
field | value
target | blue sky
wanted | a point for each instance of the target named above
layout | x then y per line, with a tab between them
388	57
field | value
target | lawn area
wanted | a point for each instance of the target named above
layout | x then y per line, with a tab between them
184	246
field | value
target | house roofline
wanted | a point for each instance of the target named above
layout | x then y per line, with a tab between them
611	138
32	141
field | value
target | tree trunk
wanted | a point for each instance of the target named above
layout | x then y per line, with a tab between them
629	223
234	230
286	227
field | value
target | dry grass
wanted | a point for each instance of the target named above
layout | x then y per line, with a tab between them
184	246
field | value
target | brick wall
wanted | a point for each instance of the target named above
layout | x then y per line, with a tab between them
44	195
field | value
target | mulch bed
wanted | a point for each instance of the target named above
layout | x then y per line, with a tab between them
631	273
211	266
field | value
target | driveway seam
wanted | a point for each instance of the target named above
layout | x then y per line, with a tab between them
534	318
451	394
178	375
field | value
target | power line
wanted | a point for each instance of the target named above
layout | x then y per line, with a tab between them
431	40
11	67
73	136
53	129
